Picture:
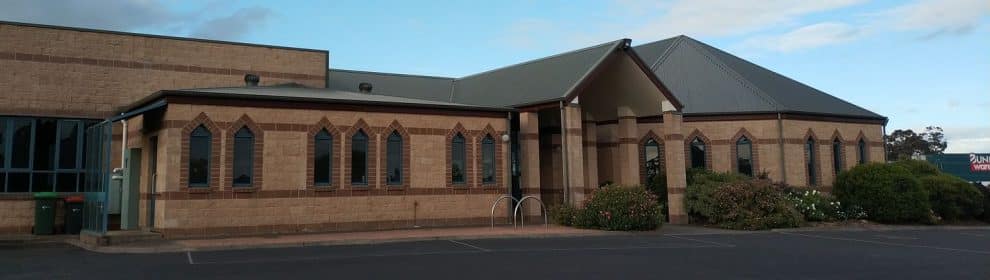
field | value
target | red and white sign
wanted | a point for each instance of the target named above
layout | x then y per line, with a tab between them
979	163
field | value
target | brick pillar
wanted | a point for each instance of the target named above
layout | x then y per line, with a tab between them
590	154
676	173
529	158
575	154
628	151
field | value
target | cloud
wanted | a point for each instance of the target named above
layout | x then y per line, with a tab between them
974	139
153	16
725	17
937	18
806	37
234	26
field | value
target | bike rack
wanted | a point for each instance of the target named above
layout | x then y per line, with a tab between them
500	198
522	221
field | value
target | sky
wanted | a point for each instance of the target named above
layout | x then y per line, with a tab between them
918	62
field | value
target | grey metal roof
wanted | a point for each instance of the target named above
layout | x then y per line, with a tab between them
537	81
542	80
710	81
304	94
409	86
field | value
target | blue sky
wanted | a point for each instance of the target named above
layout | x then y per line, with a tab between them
918	62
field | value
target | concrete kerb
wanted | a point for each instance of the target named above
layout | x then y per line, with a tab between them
874	227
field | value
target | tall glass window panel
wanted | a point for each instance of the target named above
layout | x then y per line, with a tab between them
744	156
809	149
651	156
698	156
394	158
488	160
3	147
243	157
837	156
861	151
68	145
322	152
21	145
44	144
359	158
458	154
199	157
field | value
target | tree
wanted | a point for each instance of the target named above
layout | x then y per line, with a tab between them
903	143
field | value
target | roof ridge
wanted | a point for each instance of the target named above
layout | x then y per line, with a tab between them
666	52
391	74
735	75
543	58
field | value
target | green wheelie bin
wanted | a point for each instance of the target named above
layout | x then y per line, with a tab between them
44	213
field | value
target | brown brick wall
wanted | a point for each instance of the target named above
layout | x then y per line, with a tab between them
87	74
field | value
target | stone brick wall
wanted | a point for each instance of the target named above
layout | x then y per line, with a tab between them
89	74
286	201
16	216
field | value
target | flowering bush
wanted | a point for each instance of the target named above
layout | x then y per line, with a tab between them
702	185
753	205
563	214
819	207
620	208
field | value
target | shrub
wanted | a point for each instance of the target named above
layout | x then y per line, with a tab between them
817	206
620	208
918	168
657	185
753	205
887	192
702	185
953	198
563	214
986	200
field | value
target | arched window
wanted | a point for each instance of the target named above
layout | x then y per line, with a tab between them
698	153
393	159
488	160
359	158
809	149
458	154
199	157
651	158
861	150
837	156
322	153
744	156
243	157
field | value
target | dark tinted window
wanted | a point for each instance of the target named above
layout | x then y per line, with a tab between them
488	159
44	144
3	147
744	156
199	157
243	157
809	149
862	151
698	154
322	151
458	153
651	158
68	144
393	158
359	158
837	156
20	156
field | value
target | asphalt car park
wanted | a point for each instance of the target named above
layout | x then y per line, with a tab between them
865	254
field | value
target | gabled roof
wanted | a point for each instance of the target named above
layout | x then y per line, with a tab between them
538	81
710	81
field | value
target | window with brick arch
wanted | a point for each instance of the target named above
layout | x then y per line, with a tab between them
488	160
199	157
359	158
698	150
243	157
861	150
458	159
744	156
393	159
322	153
651	158
809	149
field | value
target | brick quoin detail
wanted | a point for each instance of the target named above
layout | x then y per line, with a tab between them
650	135
468	156
499	157
215	137
733	150
687	149
406	147
335	151
259	154
360	125
817	159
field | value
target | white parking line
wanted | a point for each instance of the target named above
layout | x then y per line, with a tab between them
189	257
469	245
887	243
701	241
